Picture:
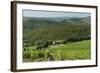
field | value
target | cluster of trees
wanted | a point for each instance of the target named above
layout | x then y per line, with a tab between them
43	44
78	38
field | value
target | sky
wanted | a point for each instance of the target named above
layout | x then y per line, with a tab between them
46	14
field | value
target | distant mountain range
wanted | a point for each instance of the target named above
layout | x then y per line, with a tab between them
34	22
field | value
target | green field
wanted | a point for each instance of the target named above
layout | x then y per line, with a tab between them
70	51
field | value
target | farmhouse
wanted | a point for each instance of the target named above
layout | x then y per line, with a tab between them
57	42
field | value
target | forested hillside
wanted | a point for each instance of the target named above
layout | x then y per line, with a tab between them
41	29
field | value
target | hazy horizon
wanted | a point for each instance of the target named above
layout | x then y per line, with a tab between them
48	14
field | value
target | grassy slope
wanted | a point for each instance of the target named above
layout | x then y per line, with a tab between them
76	50
70	51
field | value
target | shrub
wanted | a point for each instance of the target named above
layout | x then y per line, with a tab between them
42	44
34	55
27	55
40	55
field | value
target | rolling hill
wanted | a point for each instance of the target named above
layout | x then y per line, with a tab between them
55	28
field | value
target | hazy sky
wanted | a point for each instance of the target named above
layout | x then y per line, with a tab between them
34	13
